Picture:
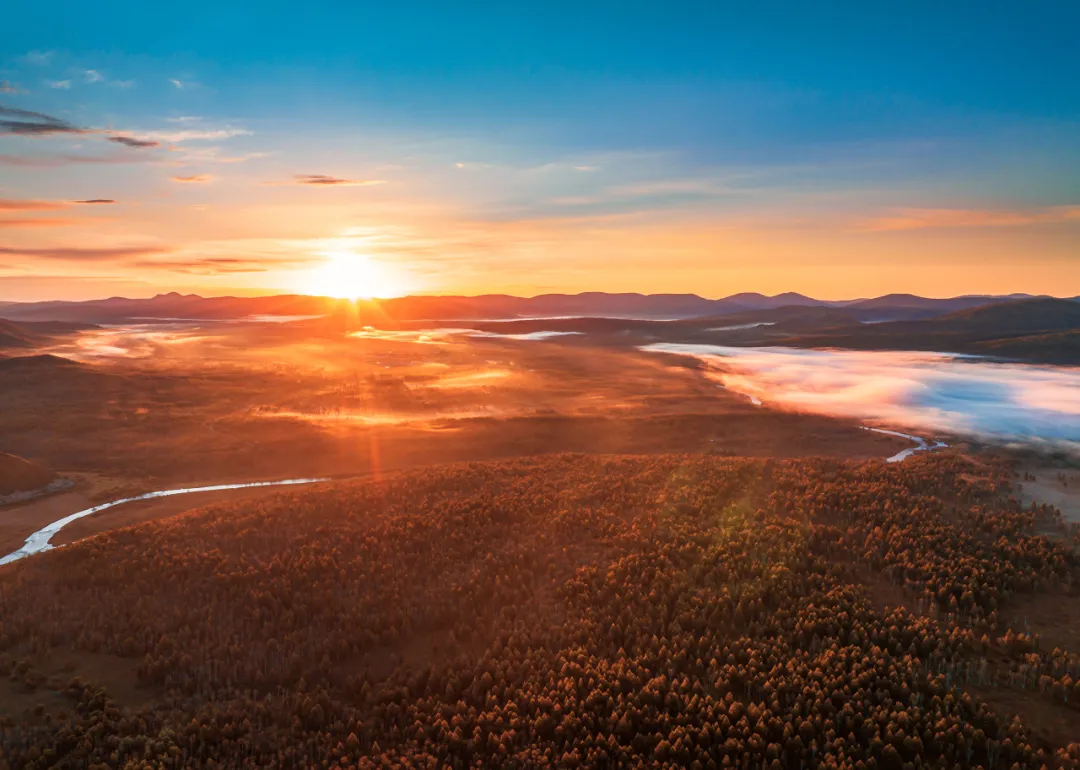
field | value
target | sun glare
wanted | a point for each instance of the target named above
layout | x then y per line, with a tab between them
348	275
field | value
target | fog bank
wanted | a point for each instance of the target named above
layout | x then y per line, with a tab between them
931	392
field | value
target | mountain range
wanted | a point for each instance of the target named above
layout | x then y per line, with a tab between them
175	306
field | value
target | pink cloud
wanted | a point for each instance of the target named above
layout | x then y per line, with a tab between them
919	219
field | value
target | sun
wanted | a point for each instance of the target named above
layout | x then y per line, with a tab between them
349	275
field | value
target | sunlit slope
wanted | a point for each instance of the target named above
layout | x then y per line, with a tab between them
574	611
20	475
14	336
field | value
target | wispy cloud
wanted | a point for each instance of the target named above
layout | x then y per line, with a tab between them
61	84
38	58
28	123
54	161
195	135
78	254
205	265
37	222
92	76
96	201
322	180
8	204
195	178
131	141
125	84
7	87
920	219
196	155
183	85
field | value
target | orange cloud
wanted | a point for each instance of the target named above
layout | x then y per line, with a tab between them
37	222
322	180
919	219
196	178
7	204
78	254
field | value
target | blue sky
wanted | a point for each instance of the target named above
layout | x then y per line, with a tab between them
529	147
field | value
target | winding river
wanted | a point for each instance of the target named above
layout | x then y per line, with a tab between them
921	445
39	541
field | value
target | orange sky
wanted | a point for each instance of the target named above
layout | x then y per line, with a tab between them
344	244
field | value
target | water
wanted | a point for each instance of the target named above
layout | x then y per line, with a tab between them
39	541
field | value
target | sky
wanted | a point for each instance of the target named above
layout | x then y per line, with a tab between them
836	149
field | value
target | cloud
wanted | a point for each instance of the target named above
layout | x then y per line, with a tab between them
96	200
27	123
92	76
183	85
39	58
36	222
7	87
198	155
62	84
321	180
131	141
193	135
53	161
206	265
77	254
195	178
122	83
934	392
9	204
921	219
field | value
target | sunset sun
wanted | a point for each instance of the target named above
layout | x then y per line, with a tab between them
349	275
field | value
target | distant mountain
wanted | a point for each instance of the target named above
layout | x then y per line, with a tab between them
755	301
174	306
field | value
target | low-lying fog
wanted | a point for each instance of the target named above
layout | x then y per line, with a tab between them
934	392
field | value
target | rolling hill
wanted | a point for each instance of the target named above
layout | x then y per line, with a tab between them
1037	329
14	336
19	475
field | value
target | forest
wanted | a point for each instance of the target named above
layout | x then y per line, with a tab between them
570	611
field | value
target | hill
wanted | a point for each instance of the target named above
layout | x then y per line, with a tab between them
1036	329
13	336
570	612
19	475
33	334
1022	316
38	363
